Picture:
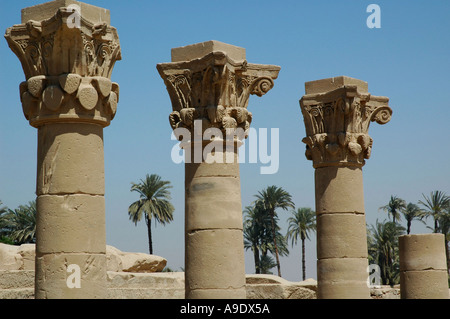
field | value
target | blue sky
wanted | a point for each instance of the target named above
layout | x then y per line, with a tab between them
407	60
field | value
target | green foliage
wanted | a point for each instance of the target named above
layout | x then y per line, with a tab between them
6	240
271	199
267	263
261	230
382	242
437	206
18	225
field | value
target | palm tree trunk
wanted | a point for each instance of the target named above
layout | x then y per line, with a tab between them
303	260
408	227
149	230
256	256
275	245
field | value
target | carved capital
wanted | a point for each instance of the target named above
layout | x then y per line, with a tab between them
337	125
67	68
215	89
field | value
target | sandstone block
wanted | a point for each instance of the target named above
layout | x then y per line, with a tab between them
22	257
213	202
140	262
16	279
216	259
199	50
17	257
422	252
70	159
10	259
160	280
48	9
427	284
118	260
341	236
92	276
230	169
113	259
339	190
71	224
342	278
27	252
329	84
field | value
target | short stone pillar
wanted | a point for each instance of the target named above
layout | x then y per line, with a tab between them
423	267
209	85
67	50
337	112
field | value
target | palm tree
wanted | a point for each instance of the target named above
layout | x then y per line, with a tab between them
301	223
411	212
274	197
258	237
394	207
19	225
435	206
382	242
154	203
254	222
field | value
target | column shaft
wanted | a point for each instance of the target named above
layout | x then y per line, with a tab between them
341	234
70	223
214	239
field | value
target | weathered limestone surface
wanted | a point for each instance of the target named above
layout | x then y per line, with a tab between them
18	284
17	257
23	258
67	50
423	267
209	85
337	113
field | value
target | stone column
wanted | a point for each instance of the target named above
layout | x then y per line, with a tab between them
337	113
67	50
209	85
423	267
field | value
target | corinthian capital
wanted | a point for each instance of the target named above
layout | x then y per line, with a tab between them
212	82
337	113
67	50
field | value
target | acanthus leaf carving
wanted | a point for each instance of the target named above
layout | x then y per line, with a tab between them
217	87
38	45
337	124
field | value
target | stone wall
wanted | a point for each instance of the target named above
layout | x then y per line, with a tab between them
19	284
139	276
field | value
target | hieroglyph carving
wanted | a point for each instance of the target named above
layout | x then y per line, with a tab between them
337	125
67	69
214	89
